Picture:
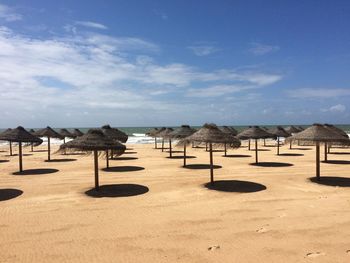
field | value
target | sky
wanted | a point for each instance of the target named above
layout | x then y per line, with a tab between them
86	63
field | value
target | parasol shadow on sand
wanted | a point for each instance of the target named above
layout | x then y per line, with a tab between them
202	166
271	164
9	193
118	190
238	155
235	186
123	169
37	171
331	181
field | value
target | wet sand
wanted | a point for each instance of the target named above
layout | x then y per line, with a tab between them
158	211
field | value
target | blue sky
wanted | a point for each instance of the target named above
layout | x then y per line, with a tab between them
151	63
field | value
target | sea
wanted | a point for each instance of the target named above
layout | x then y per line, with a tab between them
137	135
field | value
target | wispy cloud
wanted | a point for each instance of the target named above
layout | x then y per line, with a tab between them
8	14
318	93
203	50
335	109
161	14
91	24
259	49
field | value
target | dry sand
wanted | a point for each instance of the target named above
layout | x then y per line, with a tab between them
178	219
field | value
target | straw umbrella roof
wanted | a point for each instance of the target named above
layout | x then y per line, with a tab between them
337	130
155	134
66	133
32	131
210	133
279	132
301	128
6	131
152	132
19	135
254	132
77	133
318	133
165	133
292	129
48	132
94	140
182	132
114	133
228	130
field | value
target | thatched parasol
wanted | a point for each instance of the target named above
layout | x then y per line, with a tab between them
77	133
319	134
254	133
113	134
292	129
327	146
49	133
20	135
152	133
117	134
10	143
94	141
163	133
66	134
212	135
181	133
229	131
279	132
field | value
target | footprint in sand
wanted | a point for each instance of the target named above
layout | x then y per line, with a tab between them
348	251
315	254
213	248
262	229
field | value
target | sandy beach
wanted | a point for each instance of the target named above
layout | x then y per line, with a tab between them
280	216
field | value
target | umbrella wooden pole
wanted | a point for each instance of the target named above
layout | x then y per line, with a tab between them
256	151
264	142
325	152
97	187
170	149
162	144
318	161
48	149
249	145
107	159
206	146
64	141
31	147
155	143
185	155
20	157
290	145
10	148
211	163
278	145
225	150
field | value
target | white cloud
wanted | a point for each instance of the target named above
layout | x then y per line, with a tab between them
8	14
91	24
107	77
318	93
261	49
203	50
335	109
